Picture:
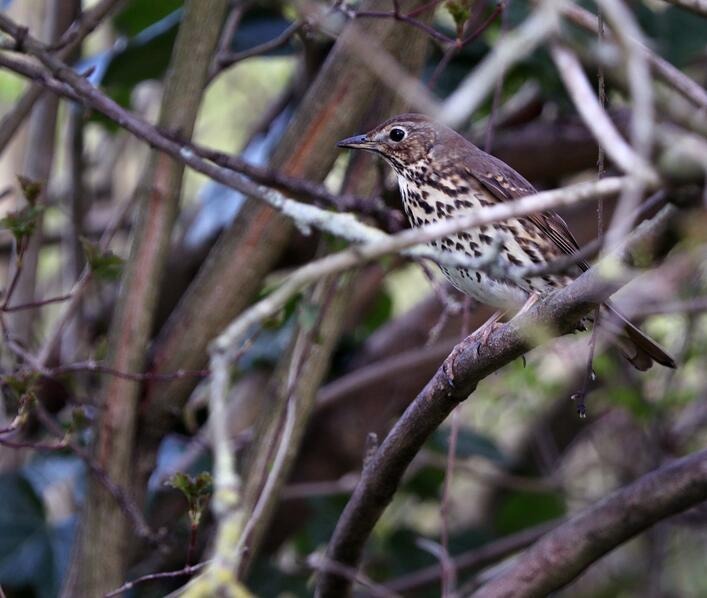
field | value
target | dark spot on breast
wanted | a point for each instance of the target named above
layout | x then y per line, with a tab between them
513	259
485	239
427	207
534	257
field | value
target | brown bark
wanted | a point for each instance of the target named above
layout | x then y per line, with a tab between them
337	295
333	107
100	559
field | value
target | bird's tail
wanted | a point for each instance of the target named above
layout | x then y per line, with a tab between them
637	347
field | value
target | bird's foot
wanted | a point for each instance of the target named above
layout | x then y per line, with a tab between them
532	300
479	337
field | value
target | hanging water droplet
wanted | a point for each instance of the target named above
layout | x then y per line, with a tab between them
575	396
582	414
593	376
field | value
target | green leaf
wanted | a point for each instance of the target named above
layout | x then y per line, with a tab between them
79	420
104	264
469	444
31	548
30	189
139	15
21	384
520	510
460	11
22	223
197	491
425	483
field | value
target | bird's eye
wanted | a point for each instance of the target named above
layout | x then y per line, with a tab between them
397	134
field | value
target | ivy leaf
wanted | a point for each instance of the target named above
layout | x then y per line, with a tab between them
104	264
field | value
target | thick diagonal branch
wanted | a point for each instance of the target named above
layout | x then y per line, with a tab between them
565	552
383	472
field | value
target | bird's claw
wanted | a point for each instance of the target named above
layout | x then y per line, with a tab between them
479	337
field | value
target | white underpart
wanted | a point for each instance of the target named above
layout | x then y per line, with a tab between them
477	284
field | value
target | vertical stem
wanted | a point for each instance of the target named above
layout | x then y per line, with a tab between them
601	171
448	571
38	166
103	547
77	209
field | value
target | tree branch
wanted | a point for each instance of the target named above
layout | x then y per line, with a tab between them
561	555
381	475
69	41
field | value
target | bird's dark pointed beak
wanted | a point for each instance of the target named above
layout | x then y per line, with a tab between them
356	142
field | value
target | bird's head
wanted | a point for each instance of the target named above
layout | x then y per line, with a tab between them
402	140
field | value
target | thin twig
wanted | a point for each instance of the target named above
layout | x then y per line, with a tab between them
320	563
448	571
379	480
124	501
153	576
518	43
474	559
228	59
662	68
98	368
36	304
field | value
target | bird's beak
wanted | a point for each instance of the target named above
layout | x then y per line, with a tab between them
357	142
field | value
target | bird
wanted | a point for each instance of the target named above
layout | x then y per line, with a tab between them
443	175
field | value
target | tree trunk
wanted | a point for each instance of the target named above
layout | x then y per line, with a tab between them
101	556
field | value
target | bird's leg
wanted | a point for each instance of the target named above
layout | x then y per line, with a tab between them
532	300
484	332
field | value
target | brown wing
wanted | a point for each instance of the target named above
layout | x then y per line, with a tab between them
506	184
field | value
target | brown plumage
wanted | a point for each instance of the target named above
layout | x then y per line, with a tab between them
442	175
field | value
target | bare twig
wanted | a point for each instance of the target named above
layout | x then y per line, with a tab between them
596	118
153	576
448	570
84	26
36	304
322	564
68	42
228	59
662	68
408	19
473	560
516	44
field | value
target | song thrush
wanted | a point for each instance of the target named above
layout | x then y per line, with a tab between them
442	175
